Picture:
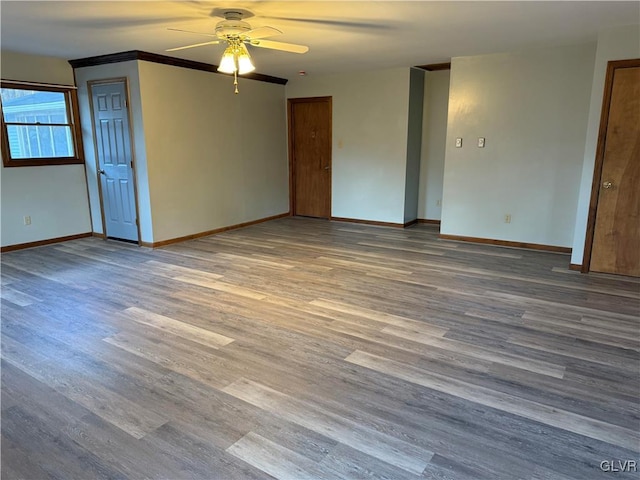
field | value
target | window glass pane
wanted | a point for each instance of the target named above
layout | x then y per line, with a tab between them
57	118
33	106
39	141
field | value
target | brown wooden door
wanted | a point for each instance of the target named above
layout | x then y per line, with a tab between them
616	237
310	150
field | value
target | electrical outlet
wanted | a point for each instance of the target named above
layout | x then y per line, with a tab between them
507	218
458	142
27	220
480	142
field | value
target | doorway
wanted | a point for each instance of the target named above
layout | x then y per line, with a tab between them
114	158
310	156
613	229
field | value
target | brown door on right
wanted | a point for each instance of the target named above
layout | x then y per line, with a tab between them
616	238
310	142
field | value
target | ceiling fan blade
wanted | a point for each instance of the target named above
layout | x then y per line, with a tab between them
189	31
113	22
262	32
334	23
285	47
214	42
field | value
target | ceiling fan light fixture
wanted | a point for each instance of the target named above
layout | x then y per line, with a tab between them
228	61
245	65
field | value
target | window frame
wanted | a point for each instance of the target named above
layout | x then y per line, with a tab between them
73	118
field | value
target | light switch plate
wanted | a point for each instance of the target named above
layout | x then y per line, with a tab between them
480	142
458	142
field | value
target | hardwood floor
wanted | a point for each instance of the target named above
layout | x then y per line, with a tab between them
302	348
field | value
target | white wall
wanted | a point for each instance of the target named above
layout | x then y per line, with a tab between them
414	144
214	159
532	107
55	197
370	112
613	44
434	140
128	70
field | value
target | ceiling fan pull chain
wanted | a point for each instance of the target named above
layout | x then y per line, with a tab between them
235	80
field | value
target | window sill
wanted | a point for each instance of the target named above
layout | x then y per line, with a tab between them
42	162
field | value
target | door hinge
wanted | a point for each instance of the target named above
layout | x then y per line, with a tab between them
131	163
137	224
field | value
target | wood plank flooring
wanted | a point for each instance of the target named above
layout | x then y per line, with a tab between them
307	349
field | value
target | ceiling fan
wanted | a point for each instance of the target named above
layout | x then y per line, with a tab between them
237	34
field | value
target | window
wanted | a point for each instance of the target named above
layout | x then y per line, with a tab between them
40	125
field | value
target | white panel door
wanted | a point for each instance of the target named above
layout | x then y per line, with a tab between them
115	169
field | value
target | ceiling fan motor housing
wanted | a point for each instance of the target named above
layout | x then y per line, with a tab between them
232	25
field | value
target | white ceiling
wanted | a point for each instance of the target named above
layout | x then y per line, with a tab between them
342	36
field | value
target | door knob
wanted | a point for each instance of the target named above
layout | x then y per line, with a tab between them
607	185
326	168
102	172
